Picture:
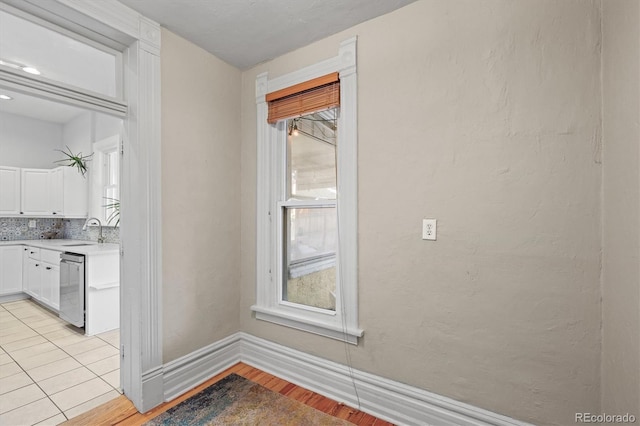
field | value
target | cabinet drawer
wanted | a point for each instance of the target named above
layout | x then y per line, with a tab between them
34	252
50	256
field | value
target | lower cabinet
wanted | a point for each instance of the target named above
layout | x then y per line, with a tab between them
50	285
42	281
32	284
10	269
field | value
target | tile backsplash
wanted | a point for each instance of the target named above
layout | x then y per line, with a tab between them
17	228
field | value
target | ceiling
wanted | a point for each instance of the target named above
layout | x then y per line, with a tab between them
244	33
240	32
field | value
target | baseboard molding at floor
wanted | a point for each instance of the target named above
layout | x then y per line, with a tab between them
386	399
13	297
195	368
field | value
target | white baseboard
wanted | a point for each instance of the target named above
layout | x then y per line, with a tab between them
189	371
386	399
13	297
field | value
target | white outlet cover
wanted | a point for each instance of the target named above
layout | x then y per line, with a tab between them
429	229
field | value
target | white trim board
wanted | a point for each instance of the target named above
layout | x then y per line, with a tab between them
386	399
111	23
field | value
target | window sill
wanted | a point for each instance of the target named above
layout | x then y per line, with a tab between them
348	335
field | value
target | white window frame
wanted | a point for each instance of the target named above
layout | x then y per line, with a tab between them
271	167
100	178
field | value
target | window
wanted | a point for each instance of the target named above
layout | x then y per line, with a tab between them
308	211
105	181
307	198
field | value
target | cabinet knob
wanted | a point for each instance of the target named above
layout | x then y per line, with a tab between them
37	264
32	252
48	267
21	212
54	213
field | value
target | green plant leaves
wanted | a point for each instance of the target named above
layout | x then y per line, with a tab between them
78	161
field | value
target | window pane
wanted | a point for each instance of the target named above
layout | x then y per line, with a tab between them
112	172
310	257
311	154
56	56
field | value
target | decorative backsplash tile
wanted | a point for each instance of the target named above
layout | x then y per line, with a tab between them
17	228
73	231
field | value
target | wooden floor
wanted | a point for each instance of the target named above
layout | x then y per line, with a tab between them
121	411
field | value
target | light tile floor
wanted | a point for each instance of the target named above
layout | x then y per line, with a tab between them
49	371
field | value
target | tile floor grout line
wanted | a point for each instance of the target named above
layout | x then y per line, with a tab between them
47	339
69	355
62	349
33	382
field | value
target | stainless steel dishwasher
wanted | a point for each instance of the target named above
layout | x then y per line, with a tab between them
72	288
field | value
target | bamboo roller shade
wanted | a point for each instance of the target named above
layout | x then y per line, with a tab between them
304	98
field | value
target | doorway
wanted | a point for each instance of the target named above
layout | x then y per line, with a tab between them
110	24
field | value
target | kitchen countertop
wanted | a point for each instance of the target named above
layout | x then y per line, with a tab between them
91	248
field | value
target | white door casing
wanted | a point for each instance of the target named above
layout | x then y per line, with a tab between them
138	38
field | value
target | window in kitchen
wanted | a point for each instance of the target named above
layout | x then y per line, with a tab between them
105	181
307	198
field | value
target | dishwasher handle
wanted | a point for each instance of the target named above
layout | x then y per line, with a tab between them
71	257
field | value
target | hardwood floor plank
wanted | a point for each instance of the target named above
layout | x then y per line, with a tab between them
111	412
121	412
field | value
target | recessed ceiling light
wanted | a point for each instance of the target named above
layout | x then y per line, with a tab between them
31	70
6	97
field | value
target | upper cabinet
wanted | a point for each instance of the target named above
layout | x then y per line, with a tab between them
35	193
43	192
9	190
74	193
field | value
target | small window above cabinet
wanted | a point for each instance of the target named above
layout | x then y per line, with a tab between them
105	181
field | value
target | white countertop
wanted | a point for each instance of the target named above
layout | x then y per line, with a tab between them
89	248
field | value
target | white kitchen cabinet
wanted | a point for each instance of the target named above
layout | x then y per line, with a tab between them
32	285
43	276
10	269
50	278
9	190
75	194
25	268
62	191
35	192
50	285
56	192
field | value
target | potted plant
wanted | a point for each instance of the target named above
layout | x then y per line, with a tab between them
78	161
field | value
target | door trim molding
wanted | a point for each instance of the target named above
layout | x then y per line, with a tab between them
113	24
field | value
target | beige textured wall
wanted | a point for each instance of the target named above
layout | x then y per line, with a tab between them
621	207
486	116
200	197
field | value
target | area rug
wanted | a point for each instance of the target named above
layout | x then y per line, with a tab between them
235	400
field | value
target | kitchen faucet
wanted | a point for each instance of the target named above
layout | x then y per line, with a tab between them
84	228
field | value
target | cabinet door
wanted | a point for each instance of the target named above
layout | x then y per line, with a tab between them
75	193
50	285
10	269
56	192
9	190
34	278
54	276
25	268
35	197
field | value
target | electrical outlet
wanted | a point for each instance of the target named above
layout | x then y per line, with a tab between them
429	229
32	223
